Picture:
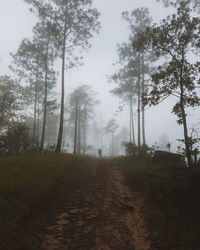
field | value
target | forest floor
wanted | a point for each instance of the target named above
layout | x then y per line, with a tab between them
101	214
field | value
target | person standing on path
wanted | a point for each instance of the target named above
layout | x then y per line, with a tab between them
100	152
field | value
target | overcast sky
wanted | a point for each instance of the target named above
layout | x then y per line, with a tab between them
16	23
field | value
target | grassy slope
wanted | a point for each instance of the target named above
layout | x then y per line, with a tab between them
173	193
29	186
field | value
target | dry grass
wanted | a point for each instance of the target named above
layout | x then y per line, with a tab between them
174	194
28	183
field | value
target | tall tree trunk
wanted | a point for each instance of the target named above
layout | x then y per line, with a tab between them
187	146
139	104
186	138
64	135
35	116
130	124
38	121
143	127
132	120
79	130
112	144
84	133
45	99
62	105
76	126
84	138
143	108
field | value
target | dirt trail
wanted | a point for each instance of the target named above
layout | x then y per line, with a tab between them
102	215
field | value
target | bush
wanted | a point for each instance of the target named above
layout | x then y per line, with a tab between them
16	139
130	148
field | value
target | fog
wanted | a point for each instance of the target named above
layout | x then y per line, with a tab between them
100	144
16	22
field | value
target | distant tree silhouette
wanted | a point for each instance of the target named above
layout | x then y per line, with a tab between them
82	110
132	77
110	129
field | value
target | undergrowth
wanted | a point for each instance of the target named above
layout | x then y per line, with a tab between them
30	184
174	194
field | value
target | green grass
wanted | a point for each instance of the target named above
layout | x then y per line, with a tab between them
28	183
174	195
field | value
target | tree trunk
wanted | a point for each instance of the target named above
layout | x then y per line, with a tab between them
186	138
38	122
35	116
79	130
143	127
64	135
45	100
139	105
187	146
132	121
62	105
84	138
76	125
84	133
112	144
143	109
130	125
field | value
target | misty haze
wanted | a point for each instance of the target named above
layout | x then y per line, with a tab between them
100	124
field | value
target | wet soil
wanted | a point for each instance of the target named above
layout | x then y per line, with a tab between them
101	214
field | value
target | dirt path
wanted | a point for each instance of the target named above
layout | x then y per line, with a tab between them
101	215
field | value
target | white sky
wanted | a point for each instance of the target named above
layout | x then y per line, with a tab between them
16	23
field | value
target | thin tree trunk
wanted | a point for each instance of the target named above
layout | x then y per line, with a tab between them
38	121
76	125
35	116
112	144
62	106
186	138
143	127
143	108
84	133
139	105
132	121
64	135
130	127
45	99
187	146
79	130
